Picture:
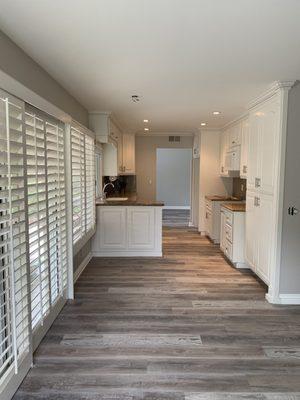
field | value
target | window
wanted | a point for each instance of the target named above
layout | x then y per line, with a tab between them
46	212
83	183
14	313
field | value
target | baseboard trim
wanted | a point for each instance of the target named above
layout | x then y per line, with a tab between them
284	299
176	207
127	254
82	266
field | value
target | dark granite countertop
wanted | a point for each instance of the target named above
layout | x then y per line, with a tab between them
222	198
132	201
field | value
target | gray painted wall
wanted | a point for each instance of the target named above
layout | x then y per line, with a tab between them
16	63
173	176
145	149
290	262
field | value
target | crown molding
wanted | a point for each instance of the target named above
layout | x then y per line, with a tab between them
165	133
274	88
236	120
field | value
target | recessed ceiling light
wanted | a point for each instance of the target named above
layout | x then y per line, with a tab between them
216	112
146	129
203	123
146	120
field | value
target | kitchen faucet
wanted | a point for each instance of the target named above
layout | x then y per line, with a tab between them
103	194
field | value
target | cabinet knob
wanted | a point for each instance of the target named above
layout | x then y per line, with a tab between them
257	182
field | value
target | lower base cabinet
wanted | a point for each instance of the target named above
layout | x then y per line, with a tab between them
233	236
260	229
128	231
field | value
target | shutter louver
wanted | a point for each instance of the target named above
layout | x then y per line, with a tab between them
46	206
14	312
83	183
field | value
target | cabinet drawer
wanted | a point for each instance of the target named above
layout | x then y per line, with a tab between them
228	233
228	249
228	218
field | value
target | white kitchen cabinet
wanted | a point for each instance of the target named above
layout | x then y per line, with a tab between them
232	159
235	135
127	158
232	240
263	147
265	236
213	218
112	228
244	148
128	231
250	240
223	150
140	222
260	233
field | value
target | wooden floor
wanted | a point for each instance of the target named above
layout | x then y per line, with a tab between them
176	218
185	327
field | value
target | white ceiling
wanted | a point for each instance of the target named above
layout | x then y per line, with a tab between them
185	58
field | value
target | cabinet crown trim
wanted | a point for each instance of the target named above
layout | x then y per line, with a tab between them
271	91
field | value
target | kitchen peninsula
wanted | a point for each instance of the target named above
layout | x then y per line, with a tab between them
128	228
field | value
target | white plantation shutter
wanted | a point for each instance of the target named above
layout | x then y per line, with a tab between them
90	183
46	213
83	183
14	310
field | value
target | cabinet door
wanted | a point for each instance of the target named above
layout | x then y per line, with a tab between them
251	231
254	149
264	232
112	227
235	135
120	152
223	151
244	148
269	144
223	231
140	223
128	153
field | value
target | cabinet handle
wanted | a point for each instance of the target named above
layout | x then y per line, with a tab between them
257	182
256	201
222	169
245	169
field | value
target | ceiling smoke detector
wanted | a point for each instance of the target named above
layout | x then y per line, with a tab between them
135	98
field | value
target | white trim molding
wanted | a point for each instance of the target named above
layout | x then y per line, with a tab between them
274	87
82	266
284	299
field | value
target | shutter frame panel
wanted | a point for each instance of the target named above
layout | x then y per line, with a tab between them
83	183
47	220
14	308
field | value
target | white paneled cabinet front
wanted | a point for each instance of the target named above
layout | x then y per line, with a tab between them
140	222
128	231
112	227
263	147
260	234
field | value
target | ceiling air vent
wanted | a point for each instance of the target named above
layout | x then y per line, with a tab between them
174	139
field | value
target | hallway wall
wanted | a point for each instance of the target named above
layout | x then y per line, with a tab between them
145	150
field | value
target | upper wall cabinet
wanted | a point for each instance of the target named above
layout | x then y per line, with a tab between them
127	155
234	145
101	123
223	150
263	146
244	148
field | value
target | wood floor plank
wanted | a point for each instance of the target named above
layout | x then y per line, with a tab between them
187	326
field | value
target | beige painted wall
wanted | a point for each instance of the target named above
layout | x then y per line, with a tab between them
145	149
17	64
210	182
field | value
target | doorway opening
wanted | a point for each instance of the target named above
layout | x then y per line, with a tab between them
173	184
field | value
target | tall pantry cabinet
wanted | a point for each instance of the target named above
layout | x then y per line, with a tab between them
266	152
